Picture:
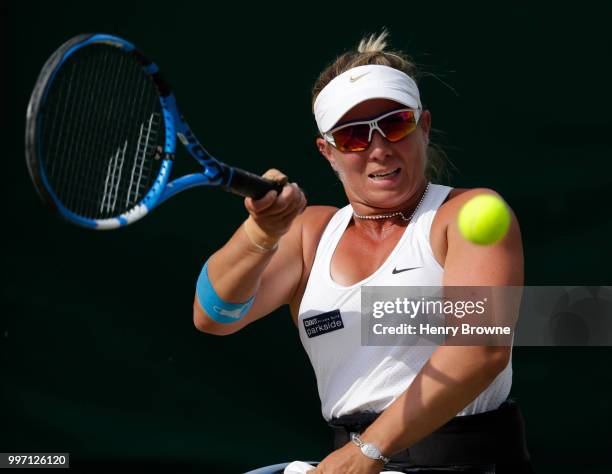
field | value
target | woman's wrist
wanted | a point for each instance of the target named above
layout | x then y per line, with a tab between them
378	439
260	241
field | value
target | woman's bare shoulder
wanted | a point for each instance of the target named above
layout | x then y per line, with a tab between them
314	219
459	196
315	213
452	205
448	211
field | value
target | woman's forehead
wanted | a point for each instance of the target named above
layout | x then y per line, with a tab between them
370	108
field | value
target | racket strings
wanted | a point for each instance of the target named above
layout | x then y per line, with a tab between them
93	174
79	146
92	140
112	180
147	138
102	130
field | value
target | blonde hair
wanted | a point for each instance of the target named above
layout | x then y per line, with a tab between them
372	50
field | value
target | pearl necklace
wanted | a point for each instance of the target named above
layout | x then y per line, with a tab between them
397	213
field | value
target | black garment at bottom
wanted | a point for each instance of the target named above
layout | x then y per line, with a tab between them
489	442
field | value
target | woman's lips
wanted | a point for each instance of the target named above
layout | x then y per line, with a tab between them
385	177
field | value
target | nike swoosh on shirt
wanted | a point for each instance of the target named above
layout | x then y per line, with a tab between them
395	270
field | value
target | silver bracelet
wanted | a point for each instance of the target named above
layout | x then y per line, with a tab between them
369	450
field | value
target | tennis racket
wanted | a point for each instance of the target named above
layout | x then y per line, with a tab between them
101	131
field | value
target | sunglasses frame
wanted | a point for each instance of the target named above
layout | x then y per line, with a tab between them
373	123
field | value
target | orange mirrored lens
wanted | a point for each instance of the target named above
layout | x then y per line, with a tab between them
398	125
352	138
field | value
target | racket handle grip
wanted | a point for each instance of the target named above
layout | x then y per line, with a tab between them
248	184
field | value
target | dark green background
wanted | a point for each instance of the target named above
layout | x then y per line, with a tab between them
99	356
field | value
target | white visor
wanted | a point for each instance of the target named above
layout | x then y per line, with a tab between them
359	84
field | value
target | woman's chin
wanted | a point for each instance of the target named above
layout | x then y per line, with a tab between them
390	193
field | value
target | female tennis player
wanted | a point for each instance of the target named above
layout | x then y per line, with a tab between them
401	408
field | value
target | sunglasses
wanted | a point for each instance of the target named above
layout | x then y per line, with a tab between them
357	136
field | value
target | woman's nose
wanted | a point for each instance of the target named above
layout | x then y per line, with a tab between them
379	146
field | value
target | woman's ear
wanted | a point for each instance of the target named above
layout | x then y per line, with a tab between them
324	149
425	124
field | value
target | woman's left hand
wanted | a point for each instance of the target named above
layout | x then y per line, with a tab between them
348	460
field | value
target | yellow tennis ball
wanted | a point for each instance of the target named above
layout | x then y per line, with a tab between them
484	219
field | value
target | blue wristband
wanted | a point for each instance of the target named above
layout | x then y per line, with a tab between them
219	310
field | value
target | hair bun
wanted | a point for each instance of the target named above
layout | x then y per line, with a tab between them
373	43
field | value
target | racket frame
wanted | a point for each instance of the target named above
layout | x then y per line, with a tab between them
214	173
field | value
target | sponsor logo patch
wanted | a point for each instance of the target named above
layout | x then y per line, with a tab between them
323	323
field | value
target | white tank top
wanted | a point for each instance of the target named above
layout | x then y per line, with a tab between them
354	378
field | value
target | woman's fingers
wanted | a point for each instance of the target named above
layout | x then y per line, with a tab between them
276	175
275	212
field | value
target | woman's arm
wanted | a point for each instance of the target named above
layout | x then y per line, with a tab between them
454	375
243	268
